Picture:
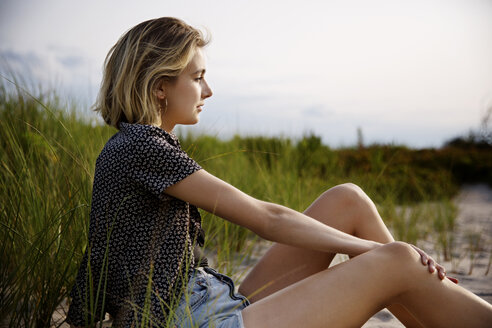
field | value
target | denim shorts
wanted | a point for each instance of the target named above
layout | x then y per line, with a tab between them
210	301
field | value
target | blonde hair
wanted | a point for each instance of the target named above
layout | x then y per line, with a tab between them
153	52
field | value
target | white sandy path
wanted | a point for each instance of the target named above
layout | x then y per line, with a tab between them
474	216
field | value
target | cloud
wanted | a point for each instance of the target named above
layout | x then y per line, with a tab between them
71	61
69	57
19	66
21	58
316	111
56	61
52	68
19	63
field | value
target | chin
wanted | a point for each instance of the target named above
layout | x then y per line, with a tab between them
191	122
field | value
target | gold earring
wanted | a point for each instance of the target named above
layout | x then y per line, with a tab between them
160	106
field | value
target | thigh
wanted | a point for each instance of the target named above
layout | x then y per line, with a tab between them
345	295
283	265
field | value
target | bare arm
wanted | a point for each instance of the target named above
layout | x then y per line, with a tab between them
270	221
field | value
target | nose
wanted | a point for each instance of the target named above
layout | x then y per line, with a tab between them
206	91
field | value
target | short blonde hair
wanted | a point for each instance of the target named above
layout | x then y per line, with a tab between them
151	53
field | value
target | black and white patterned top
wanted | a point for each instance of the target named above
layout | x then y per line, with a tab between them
144	229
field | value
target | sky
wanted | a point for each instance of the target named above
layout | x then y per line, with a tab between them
415	72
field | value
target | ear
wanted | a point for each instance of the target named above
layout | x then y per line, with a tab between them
160	92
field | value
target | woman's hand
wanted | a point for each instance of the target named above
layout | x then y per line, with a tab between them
433	265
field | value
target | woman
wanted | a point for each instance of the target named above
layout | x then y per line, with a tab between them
144	223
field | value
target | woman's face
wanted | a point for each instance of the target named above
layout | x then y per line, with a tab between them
185	96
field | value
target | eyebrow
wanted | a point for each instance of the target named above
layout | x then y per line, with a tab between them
202	70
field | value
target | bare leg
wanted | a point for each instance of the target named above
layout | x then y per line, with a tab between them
348	294
345	207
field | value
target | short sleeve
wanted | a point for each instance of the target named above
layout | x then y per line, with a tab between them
156	164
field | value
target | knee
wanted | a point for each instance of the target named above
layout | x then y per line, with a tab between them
348	194
400	252
352	189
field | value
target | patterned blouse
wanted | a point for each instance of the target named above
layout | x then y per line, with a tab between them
136	230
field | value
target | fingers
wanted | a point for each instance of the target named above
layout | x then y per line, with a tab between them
441	272
431	264
453	279
424	258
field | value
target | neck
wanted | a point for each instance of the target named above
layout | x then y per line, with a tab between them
167	127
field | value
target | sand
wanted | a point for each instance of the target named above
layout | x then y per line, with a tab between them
474	205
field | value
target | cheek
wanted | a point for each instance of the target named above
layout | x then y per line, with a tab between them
186	98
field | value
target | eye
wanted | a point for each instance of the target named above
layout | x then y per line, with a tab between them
198	79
